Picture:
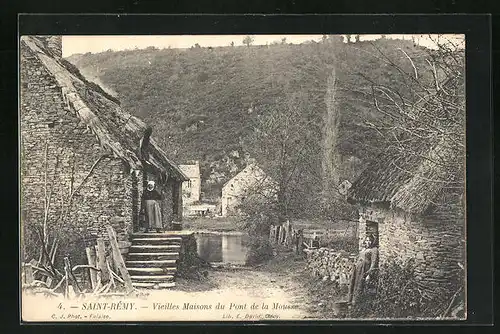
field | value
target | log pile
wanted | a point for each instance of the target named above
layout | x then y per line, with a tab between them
106	272
328	264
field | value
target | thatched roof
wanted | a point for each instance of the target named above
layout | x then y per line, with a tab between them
409	182
123	134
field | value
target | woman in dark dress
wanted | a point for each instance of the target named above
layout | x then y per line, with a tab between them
364	269
152	208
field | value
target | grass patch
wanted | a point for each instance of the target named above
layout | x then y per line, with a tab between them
226	224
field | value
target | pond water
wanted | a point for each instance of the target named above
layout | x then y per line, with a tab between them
223	247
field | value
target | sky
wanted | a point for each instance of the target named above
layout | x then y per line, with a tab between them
95	44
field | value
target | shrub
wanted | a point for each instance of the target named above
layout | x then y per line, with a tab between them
259	251
258	213
401	295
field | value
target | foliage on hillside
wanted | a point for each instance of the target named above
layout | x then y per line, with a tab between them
204	102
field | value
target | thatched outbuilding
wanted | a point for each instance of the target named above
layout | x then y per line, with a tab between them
84	160
414	206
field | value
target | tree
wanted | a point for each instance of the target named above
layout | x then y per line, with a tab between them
422	117
285	141
426	108
331	158
248	41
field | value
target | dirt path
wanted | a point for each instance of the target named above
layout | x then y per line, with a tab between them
278	290
238	287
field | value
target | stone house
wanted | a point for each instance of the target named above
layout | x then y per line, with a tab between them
251	180
84	160
415	216
191	189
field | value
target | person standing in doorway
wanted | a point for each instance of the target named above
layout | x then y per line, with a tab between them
152	207
364	269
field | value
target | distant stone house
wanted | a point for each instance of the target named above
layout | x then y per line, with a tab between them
84	160
191	189
251	180
414	217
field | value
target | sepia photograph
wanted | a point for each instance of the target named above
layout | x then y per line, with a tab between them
242	177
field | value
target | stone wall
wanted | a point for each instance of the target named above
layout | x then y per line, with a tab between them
328	264
189	264
435	245
50	130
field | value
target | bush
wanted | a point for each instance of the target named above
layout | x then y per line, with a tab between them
400	295
259	251
258	213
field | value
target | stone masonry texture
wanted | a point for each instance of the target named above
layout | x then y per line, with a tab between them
61	156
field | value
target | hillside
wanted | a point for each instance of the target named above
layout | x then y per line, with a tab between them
203	102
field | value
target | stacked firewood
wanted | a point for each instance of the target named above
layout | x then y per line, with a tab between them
107	273
330	265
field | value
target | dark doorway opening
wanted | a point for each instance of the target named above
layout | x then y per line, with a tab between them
372	229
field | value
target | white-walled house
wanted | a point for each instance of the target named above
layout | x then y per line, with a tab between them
191	189
251	180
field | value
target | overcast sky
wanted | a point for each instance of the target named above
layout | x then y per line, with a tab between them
95	44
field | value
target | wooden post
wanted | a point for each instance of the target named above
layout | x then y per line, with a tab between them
70	278
287	233
101	261
119	259
91	259
280	234
28	273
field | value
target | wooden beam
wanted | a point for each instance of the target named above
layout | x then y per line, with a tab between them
101	261
91	259
117	256
28	273
70	277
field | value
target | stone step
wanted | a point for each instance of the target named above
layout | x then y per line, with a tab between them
152	247
150	262
155	241
153	256
158	235
153	285
151	270
151	278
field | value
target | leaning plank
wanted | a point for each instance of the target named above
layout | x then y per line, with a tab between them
91	259
28	274
119	260
70	277
101	261
67	268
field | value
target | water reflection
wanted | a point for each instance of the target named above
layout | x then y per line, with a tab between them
225	248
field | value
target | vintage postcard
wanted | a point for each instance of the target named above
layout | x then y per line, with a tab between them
242	177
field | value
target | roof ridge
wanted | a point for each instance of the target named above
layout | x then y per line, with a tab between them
126	147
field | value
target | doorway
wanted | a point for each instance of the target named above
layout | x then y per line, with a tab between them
372	229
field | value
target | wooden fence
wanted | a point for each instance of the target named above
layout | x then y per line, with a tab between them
46	279
286	235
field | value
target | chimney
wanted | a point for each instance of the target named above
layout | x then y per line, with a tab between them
53	44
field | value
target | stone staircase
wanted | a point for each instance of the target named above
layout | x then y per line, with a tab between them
152	259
